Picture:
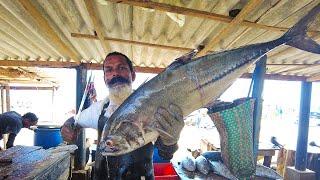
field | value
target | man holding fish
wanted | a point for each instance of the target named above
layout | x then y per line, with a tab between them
118	76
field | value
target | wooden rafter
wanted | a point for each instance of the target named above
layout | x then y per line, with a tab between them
278	77
230	27
45	27
22	81
56	64
200	14
12	73
96	24
21	73
292	64
139	43
97	66
315	77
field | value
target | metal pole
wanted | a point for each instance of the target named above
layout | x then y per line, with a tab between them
302	142
258	81
80	153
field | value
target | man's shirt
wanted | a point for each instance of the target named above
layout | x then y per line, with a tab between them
89	117
10	123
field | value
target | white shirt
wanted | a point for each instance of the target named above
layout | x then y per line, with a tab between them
89	117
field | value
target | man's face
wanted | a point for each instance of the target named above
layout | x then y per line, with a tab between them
117	72
27	123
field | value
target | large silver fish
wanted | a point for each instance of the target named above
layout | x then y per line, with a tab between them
189	84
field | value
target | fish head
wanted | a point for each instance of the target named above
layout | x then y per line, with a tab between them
124	138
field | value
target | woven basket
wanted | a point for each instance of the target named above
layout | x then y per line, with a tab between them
234	122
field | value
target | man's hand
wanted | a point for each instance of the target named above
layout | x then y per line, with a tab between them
169	124
69	132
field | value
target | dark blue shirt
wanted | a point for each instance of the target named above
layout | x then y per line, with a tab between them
10	123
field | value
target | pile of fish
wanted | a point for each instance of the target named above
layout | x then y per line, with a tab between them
190	84
207	164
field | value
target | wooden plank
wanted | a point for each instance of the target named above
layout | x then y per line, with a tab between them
9	73
35	63
45	26
314	78
97	25
2	101
52	168
175	48
291	64
55	64
278	77
197	13
30	88
230	27
17	151
7	98
35	163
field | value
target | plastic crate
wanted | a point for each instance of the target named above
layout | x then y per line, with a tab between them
164	171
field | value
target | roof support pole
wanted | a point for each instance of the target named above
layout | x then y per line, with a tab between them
80	153
302	142
258	81
2	100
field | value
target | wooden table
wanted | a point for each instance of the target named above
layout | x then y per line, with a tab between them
267	150
286	158
33	162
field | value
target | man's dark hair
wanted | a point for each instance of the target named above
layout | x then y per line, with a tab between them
120	54
31	116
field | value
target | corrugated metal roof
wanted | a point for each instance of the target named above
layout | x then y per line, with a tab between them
40	31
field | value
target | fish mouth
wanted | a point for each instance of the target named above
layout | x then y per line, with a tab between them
110	147
109	150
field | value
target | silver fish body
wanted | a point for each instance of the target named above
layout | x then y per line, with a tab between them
266	172
188	163
202	165
190	85
220	169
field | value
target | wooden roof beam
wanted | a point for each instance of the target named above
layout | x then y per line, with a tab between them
96	24
55	64
230	27
278	77
313	78
8	72
51	34
200	14
139	43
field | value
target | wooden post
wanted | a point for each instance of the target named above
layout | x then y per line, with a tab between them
258	80
302	142
80	153
7	87
52	103
2	100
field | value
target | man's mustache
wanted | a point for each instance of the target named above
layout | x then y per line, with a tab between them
118	79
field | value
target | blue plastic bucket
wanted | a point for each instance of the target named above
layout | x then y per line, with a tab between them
47	137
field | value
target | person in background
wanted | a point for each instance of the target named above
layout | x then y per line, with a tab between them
11	123
118	76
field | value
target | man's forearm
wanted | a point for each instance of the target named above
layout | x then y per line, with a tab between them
10	140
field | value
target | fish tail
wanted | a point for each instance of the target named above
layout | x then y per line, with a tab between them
297	35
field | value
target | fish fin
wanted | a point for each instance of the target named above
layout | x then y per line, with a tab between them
153	128
175	64
184	59
297	35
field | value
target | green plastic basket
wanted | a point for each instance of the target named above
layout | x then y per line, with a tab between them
234	122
